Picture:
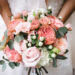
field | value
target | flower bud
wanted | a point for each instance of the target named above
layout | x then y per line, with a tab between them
53	55
40	44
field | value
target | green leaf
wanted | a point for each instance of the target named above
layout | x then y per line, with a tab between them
24	34
61	57
61	32
10	44
25	18
19	38
4	67
12	65
2	62
66	51
54	62
16	64
34	14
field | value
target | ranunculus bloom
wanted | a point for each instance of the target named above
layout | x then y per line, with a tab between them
12	25
69	27
35	24
45	21
47	32
55	22
20	47
31	57
62	44
13	55
23	27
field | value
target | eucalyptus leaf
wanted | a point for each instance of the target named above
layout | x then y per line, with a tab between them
61	57
61	32
19	38
25	18
2	62
12	65
10	44
16	64
4	67
66	51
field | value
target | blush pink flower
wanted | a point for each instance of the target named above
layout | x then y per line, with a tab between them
31	57
20	47
69	27
35	24
45	21
12	25
13	55
47	32
24	13
62	44
55	22
23	27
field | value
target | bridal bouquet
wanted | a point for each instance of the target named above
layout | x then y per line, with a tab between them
35	39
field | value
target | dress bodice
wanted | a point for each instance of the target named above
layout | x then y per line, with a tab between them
20	5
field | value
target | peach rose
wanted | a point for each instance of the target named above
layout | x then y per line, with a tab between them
23	27
55	22
12	25
47	32
62	44
45	21
13	55
31	57
35	24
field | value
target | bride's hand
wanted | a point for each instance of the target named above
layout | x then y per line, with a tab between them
5	11
67	9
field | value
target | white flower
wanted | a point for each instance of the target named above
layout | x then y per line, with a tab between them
40	44
23	27
34	37
44	57
29	44
53	55
30	16
42	38
31	57
49	8
50	46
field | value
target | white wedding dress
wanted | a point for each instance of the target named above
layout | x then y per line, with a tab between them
64	67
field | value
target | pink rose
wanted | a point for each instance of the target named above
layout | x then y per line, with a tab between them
13	55
45	21
55	22
31	57
69	27
25	13
23	27
35	24
62	44
47	32
20	47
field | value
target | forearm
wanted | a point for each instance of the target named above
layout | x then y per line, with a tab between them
5	11
67	9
